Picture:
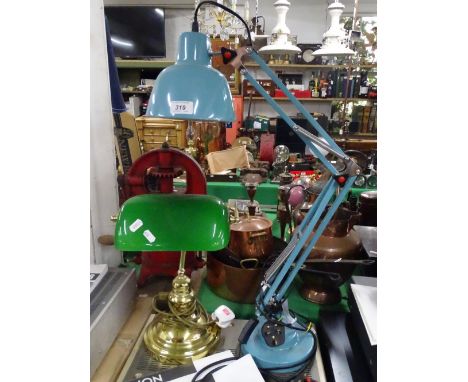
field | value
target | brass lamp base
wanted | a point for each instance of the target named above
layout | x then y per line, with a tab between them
182	330
171	342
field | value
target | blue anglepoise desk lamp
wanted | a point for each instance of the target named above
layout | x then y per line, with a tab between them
192	89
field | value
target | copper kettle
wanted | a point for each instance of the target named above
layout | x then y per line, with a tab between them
338	241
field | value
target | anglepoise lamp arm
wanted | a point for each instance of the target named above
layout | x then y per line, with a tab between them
169	88
281	273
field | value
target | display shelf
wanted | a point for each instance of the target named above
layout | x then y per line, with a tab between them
246	98
354	136
275	98
309	66
142	64
135	92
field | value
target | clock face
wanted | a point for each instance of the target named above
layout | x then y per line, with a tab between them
307	55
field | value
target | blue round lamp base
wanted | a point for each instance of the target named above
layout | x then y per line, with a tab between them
289	357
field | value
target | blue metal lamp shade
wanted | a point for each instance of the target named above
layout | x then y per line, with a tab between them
191	88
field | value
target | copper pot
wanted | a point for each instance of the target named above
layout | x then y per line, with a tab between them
233	283
251	237
338	241
236	279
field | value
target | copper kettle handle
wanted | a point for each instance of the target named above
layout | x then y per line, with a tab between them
258	234
254	260
254	235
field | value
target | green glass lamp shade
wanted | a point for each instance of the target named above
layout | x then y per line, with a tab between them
191	88
171	222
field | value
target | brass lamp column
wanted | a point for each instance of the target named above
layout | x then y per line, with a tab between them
182	330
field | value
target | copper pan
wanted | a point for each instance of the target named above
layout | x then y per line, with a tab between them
237	279
251	238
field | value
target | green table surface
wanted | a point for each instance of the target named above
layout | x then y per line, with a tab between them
297	304
266	191
266	195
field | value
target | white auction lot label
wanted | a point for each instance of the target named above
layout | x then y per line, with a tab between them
135	225
181	107
149	236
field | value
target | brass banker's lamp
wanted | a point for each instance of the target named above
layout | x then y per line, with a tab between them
182	330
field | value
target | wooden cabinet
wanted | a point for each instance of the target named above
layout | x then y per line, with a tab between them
152	132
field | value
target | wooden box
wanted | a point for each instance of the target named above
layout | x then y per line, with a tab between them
248	89
152	132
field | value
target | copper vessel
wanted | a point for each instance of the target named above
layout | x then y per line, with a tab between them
338	241
251	237
236	279
233	283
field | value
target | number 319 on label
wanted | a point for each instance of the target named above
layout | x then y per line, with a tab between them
181	107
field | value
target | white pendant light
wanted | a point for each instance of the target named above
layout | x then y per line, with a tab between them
281	45
334	37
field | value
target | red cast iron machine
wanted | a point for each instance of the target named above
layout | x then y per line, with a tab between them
154	172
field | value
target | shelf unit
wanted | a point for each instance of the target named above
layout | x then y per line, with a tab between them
142	64
135	92
161	64
309	66
246	98
304	68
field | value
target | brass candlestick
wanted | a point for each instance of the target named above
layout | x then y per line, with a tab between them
283	213
190	134
251	182
251	190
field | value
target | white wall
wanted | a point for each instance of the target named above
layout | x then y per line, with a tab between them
177	21
104	200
